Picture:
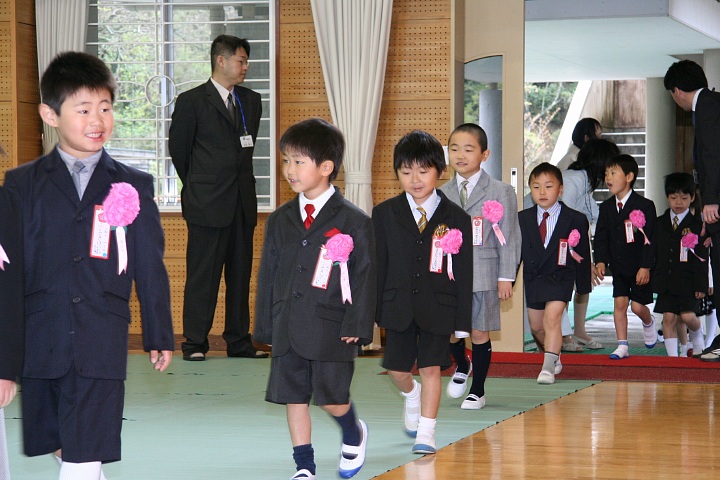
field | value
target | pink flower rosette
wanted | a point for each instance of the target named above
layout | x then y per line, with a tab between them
339	247
573	241
493	211
637	218
120	208
450	242
690	241
3	258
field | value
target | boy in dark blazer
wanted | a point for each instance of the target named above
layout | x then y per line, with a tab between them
315	305
77	290
494	264
421	301
549	267
12	323
680	277
626	250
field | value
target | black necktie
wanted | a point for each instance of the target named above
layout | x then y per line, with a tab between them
231	108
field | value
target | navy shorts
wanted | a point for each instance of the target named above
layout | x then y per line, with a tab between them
403	349
625	286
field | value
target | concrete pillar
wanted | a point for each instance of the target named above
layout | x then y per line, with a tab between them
711	61
660	141
490	119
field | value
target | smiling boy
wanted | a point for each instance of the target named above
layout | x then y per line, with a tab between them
622	247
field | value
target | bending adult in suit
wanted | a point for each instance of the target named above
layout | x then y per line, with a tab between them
688	86
212	136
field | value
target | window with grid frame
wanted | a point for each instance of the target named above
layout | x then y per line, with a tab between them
158	49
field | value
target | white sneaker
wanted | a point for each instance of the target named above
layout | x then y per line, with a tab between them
473	402
425	443
458	384
412	411
558	367
620	352
546	378
650	335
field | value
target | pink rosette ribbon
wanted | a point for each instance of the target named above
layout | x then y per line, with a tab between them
450	244
690	241
573	240
637	218
493	211
3	258
120	209
339	248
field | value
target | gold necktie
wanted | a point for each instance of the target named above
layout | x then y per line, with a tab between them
463	193
422	223
675	222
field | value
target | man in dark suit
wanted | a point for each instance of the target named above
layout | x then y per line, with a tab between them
212	137
688	86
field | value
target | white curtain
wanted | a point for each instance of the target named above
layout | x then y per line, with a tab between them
353	38
61	27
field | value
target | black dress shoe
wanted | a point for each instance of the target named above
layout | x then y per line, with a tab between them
195	357
249	354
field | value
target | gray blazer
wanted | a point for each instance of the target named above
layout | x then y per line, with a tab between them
491	260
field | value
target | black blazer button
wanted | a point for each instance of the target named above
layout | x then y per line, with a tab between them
416	291
304	243
77	258
78	218
417	275
76	300
418	258
419	242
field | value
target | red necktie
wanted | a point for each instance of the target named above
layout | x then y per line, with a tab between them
543	227
309	209
619	206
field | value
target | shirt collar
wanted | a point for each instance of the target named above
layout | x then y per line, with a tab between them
680	216
695	97
554	210
472	181
624	199
224	92
90	162
429	206
318	202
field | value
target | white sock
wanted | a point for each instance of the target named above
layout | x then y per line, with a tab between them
684	349
671	346
698	340
413	394
80	471
549	361
426	429
710	327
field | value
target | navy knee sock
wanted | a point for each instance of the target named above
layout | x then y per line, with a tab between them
350	427
457	350
481	364
304	457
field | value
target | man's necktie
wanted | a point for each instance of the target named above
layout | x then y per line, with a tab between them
309	209
231	108
78	167
675	222
543	227
619	206
463	193
422	223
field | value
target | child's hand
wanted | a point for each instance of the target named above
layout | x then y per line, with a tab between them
350	339
643	276
600	269
8	389
711	290
594	277
699	295
161	359
504	289
708	240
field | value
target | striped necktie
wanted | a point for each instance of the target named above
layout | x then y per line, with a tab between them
463	193
543	227
422	223
675	222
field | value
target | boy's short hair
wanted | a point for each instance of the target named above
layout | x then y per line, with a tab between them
584	127
316	139
421	148
70	72
627	163
679	182
685	75
473	129
547	168
226	45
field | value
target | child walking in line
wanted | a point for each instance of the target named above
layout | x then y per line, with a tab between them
316	295
494	261
622	242
556	257
424	255
680	275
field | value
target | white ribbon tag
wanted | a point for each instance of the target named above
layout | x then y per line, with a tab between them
477	230
629	235
122	249
321	277
100	237
436	256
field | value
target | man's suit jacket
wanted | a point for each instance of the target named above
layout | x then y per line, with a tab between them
12	322
670	274
611	247
491	260
215	169
77	307
545	280
407	290
290	312
707	145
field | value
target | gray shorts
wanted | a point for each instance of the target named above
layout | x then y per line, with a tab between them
486	311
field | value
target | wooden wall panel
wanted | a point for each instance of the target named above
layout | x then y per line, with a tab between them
6	62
